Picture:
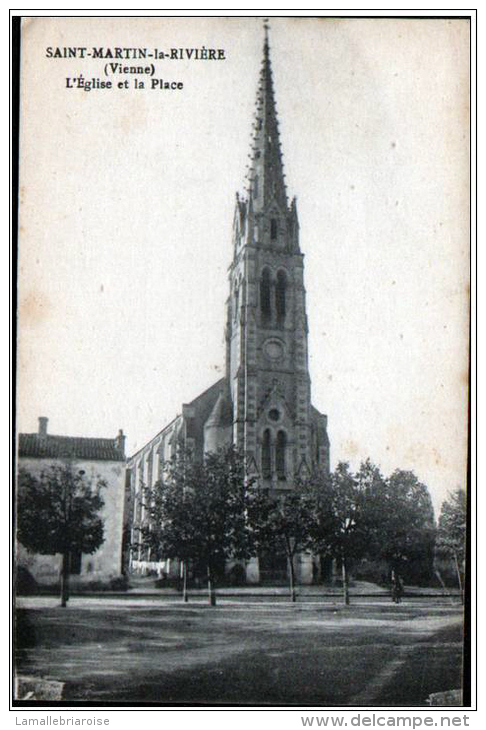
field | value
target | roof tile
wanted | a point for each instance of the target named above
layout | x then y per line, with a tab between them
49	446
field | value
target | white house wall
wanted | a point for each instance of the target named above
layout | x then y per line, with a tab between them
106	562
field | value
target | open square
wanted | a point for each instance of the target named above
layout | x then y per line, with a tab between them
259	650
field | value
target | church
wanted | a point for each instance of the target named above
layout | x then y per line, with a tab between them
263	403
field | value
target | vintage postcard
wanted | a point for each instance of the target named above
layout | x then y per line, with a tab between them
243	361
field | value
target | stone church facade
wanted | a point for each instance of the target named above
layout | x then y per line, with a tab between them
263	404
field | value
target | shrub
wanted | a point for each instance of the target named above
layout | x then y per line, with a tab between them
25	583
120	583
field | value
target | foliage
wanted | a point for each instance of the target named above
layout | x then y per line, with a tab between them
57	511
198	511
366	515
409	528
399	520
210	512
284	524
118	584
25	583
339	528
341	512
451	534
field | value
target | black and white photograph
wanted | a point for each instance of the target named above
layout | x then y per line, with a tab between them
241	465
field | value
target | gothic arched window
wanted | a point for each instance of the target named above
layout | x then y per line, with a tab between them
265	302
280	454
266	454
280	295
273	228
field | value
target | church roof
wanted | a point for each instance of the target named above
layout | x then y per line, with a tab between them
196	412
210	395
59	447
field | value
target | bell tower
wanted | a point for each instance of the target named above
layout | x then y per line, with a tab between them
266	333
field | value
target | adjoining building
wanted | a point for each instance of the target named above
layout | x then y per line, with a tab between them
98	458
263	404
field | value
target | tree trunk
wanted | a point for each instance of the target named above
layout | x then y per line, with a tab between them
65	579
344	571
211	592
444	587
459	576
185	596
292	578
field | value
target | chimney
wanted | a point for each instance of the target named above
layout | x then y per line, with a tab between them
43	425
120	441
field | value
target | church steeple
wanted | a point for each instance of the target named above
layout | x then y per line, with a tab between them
266	177
266	334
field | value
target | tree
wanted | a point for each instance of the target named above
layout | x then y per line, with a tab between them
198	511
57	512
284	524
377	507
451	534
400	520
339	528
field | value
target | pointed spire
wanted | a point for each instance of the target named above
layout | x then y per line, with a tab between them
266	169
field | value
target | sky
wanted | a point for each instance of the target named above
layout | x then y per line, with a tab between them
126	208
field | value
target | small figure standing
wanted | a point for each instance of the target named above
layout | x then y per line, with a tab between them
396	587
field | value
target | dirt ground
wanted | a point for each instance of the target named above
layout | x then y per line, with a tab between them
144	649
